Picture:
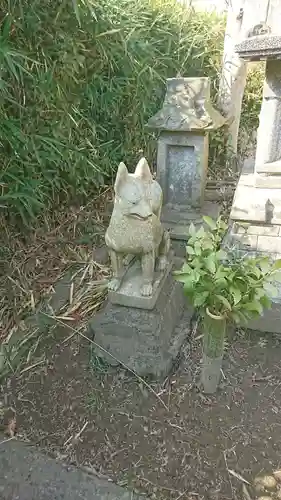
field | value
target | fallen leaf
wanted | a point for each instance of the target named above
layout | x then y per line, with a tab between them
238	476
245	492
11	427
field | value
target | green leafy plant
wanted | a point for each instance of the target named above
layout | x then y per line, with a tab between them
238	288
224	286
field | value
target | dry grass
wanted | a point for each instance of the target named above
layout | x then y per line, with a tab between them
33	263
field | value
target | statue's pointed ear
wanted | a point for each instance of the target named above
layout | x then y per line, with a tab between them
121	176
143	171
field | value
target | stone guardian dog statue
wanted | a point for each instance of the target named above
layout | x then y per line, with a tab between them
135	227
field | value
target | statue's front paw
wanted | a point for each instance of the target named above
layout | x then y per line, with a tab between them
114	284
162	263
127	260
146	290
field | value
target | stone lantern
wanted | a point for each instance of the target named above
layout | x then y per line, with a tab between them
184	123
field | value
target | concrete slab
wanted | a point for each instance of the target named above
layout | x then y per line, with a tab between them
256	205
26	474
270	321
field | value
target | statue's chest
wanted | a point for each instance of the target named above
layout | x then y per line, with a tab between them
133	236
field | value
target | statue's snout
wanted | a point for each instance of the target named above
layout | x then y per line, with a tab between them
142	210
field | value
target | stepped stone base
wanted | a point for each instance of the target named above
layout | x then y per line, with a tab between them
145	341
256	240
256	230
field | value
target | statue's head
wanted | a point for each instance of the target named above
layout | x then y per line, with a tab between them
131	193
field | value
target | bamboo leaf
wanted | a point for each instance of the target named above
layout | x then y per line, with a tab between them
77	11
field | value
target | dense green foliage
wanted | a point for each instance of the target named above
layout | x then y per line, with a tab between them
78	81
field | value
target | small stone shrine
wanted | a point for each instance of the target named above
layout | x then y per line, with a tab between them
137	325
256	209
184	123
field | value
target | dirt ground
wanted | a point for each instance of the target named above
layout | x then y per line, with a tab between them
167	442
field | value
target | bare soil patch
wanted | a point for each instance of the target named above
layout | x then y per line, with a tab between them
85	413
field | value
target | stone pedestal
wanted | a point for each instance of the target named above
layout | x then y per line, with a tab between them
146	341
256	209
183	123
129	293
